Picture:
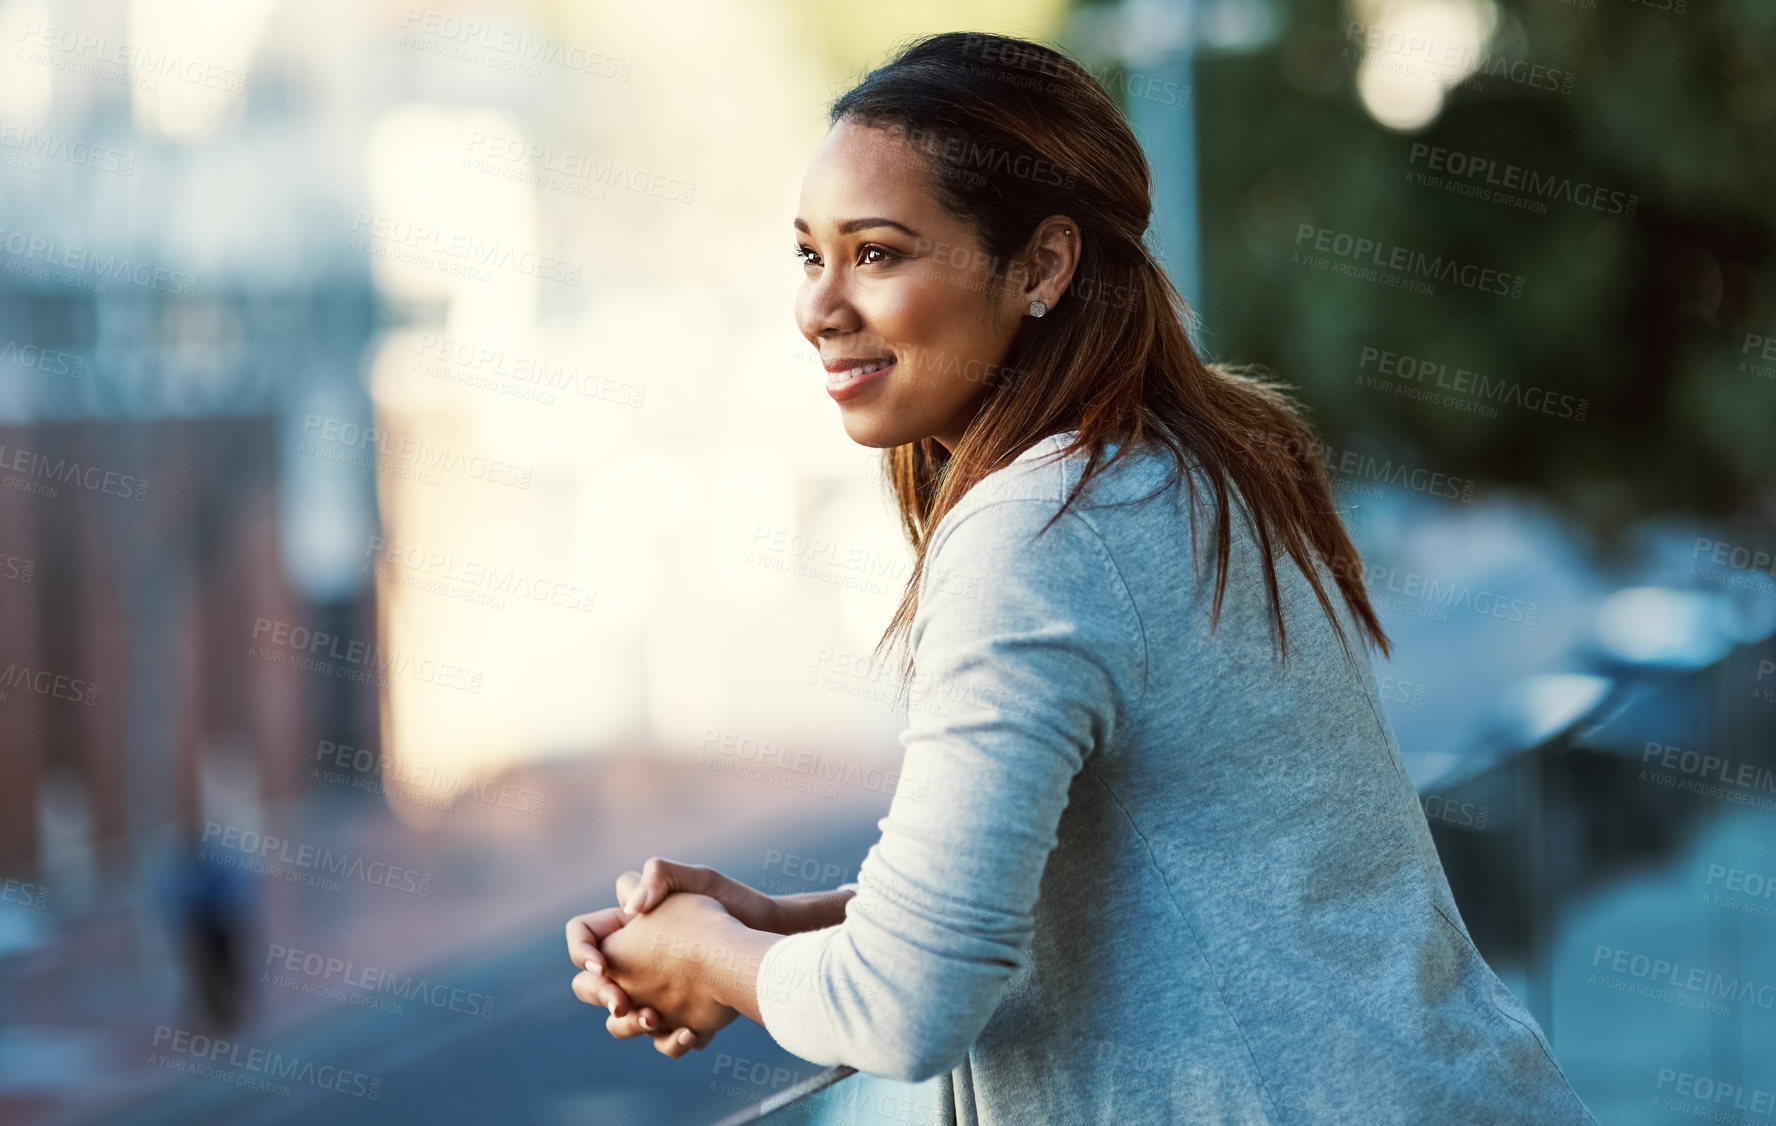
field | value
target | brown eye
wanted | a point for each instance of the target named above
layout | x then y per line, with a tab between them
872	248
805	255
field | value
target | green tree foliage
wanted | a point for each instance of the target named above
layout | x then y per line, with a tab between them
1653	312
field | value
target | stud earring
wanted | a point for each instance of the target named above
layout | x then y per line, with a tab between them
1037	308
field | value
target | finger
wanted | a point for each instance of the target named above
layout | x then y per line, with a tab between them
658	879
626	885
655	882
585	954
650	1020
624	1027
677	1042
601	991
585	932
646	892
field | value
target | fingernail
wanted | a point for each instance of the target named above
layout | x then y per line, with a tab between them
685	1036
647	1023
634	904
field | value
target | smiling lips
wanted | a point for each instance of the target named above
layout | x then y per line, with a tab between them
849	375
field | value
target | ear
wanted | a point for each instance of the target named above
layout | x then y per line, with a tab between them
1049	261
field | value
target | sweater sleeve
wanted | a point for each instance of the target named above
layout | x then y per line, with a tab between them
1029	657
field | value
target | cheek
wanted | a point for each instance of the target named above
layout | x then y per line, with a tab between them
937	313
907	313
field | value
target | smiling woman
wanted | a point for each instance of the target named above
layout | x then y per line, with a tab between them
1136	821
901	298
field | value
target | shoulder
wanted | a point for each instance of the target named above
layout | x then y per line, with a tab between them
1010	535
1047	473
1032	485
1011	577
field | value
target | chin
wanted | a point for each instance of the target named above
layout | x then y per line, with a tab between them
866	428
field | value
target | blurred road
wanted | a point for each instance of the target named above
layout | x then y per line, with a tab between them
482	1025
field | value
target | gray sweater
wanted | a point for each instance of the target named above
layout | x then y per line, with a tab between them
1137	872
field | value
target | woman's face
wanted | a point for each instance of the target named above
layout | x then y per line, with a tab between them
897	284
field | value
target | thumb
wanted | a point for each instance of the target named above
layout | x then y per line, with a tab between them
658	878
628	884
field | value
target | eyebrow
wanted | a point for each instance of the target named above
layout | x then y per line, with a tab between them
852	226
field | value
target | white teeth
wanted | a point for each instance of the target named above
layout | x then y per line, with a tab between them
853	373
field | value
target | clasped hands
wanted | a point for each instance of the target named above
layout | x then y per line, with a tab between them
678	961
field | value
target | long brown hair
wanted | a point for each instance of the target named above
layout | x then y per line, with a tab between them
1013	132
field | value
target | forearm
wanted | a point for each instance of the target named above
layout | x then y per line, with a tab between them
809	911
741	949
861	993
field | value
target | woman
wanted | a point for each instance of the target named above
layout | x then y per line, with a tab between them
1154	857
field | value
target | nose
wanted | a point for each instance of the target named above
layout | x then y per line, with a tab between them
824	308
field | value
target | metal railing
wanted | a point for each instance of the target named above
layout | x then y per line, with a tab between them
783	1099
